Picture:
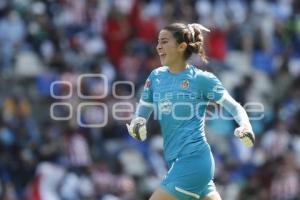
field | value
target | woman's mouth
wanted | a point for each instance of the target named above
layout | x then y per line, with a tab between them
162	55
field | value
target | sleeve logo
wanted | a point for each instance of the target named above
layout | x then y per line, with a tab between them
147	85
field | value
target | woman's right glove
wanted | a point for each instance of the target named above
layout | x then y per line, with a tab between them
137	128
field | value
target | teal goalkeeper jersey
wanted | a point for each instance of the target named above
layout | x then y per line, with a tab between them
179	103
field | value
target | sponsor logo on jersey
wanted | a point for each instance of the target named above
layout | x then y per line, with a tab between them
165	106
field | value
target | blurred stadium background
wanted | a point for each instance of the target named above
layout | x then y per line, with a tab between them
254	48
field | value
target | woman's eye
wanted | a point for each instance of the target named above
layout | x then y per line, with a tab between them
162	42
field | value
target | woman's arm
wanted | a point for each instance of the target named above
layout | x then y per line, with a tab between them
144	109
137	128
244	132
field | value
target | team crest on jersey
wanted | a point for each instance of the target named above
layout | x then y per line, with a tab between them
185	84
147	85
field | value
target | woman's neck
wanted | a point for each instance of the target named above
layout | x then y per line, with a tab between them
177	67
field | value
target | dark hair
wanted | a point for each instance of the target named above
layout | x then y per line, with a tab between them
192	35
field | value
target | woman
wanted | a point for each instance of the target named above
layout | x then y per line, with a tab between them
179	93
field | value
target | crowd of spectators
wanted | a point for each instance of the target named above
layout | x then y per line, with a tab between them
48	150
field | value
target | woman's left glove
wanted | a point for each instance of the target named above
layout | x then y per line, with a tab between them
246	136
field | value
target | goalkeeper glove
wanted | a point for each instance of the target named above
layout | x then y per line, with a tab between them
246	135
137	128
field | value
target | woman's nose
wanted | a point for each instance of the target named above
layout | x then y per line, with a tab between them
158	46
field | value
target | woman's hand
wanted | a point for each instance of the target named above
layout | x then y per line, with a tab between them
137	128
246	135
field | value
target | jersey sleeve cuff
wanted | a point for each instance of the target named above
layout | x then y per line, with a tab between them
222	98
145	103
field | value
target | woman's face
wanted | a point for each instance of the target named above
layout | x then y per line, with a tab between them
168	50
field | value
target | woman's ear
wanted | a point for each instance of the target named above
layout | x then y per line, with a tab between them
182	46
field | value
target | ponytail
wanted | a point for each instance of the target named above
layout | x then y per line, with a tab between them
192	35
196	45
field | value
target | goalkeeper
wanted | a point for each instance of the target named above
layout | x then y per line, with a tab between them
179	94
